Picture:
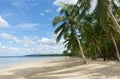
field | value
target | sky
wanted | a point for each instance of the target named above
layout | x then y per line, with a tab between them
26	27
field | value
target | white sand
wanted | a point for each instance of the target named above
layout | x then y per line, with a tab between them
63	69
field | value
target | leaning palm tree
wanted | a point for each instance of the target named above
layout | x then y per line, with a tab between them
111	8
67	26
104	14
72	45
107	22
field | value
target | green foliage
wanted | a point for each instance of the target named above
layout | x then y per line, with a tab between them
58	19
97	32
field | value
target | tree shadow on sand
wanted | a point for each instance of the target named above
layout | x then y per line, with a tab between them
65	69
44	72
107	72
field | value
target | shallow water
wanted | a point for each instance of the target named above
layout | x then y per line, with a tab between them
10	61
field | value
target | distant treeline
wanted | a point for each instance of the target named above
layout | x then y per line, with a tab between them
45	55
34	55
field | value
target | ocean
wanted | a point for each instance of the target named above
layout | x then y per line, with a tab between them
11	61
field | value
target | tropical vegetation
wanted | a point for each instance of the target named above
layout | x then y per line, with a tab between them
90	33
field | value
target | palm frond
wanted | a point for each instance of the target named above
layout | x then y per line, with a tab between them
58	19
59	36
61	27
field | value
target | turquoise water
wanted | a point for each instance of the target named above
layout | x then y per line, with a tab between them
11	61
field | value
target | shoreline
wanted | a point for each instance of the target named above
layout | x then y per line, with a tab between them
41	61
10	62
67	68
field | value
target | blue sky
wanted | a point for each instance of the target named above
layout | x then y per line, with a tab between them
26	26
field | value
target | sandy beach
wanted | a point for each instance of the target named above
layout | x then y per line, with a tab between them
68	68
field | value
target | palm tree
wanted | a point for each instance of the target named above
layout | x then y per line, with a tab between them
67	21
105	19
110	8
103	14
84	31
72	45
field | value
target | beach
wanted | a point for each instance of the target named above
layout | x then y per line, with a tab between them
65	68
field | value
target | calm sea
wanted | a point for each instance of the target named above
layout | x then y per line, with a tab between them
11	61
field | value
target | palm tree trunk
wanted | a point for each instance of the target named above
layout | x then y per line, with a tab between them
114	21
99	50
116	47
81	50
79	44
95	51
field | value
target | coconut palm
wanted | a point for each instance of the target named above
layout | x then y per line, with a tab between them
67	26
94	32
104	17
103	7
72	45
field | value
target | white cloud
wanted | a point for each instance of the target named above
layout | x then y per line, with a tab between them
3	23
47	11
9	37
94	3
0	44
26	41
30	45
28	26
117	3
24	3
6	36
42	14
47	41
57	2
49	45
